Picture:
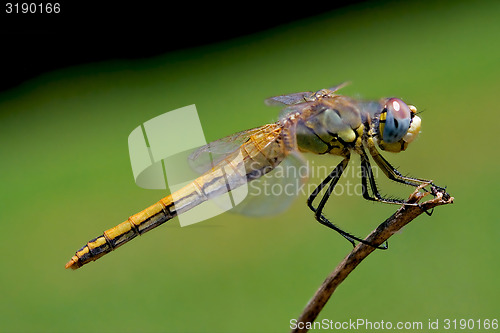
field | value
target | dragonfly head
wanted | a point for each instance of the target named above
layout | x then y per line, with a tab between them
398	125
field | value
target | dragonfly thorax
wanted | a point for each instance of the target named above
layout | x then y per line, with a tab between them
333	125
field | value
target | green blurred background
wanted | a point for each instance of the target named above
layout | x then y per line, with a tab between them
66	177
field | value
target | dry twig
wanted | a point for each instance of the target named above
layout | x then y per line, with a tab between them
398	220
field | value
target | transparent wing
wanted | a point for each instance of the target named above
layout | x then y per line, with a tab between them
290	99
339	86
275	192
209	155
269	194
301	97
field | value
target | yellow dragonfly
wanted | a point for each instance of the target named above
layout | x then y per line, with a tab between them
321	122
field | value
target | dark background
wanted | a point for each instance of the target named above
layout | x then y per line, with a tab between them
91	31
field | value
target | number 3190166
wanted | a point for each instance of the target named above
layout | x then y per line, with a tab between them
32	8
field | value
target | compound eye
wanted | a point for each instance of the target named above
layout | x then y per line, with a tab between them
397	120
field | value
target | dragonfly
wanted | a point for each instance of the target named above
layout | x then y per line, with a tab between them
321	122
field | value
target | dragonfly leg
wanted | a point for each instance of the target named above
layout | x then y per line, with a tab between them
367	175
434	191
333	178
392	173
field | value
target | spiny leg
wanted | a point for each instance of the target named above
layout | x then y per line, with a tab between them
367	175
335	175
333	178
391	172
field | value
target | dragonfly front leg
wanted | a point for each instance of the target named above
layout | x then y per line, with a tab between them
333	178
392	173
367	175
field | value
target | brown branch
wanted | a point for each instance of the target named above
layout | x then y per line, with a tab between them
398	220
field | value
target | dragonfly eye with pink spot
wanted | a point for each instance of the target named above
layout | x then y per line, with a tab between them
397	120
